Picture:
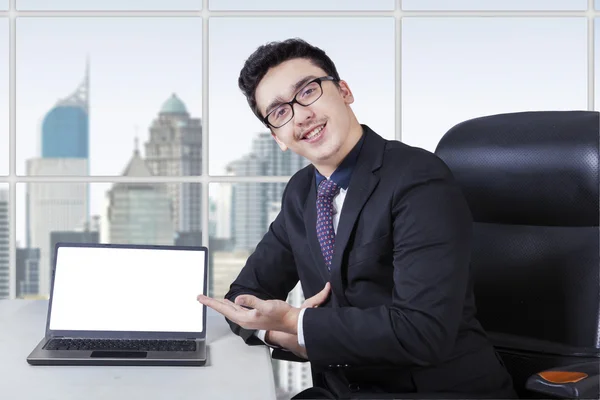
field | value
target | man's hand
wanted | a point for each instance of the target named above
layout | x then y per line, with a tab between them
318	298
270	315
289	341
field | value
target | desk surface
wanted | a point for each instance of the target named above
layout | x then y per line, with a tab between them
233	371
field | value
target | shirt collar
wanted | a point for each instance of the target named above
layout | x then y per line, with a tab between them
341	176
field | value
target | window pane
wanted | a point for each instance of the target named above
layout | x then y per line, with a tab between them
4	244
276	5
597	62
455	69
4	98
139	213
109	5
494	4
597	4
239	216
142	78
3	4
235	132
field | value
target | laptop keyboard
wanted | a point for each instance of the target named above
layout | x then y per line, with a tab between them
121	344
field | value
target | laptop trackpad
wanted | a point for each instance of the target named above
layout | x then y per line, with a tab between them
119	354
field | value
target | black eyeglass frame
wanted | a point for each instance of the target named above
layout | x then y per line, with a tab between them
320	80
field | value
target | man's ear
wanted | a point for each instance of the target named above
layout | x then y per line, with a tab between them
346	92
282	146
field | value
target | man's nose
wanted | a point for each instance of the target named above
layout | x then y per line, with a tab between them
302	114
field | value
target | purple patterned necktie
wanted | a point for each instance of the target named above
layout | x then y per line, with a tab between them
325	233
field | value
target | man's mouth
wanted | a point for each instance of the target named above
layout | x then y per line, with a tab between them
314	133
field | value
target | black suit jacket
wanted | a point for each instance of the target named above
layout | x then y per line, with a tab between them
401	317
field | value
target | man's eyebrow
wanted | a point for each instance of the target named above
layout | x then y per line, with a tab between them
293	88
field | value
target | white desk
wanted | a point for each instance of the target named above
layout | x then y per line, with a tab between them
233	370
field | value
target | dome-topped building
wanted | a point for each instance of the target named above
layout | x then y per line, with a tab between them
173	105
174	148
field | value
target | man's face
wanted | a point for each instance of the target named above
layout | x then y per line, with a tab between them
330	113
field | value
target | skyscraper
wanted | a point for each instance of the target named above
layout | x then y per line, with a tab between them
65	128
252	203
175	149
54	206
4	231
64	152
138	213
247	199
28	267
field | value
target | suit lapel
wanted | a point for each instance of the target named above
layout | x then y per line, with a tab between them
362	184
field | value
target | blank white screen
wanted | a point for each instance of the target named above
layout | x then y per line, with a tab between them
118	289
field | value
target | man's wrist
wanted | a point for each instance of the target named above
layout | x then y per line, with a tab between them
269	339
291	323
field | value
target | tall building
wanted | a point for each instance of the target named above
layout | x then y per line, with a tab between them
54	206
64	152
175	149
252	203
28	267
4	245
279	163
248	200
138	213
65	128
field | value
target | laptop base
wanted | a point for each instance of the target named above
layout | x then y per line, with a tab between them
39	356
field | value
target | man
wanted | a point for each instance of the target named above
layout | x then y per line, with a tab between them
378	234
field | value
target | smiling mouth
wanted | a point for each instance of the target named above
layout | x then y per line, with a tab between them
315	133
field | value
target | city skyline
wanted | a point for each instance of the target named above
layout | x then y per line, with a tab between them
426	84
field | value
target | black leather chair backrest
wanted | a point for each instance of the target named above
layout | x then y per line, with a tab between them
531	181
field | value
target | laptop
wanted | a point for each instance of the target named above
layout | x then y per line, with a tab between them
115	304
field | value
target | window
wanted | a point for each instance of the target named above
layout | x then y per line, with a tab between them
4	98
454	69
233	137
100	212
468	5
118	83
4	243
308	5
167	5
597	61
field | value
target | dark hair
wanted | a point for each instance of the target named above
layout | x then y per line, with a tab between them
271	55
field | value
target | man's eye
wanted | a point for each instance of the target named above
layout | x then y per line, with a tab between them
307	92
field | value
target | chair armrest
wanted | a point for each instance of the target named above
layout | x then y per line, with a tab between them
576	381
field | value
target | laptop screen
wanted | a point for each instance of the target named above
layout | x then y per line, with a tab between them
127	289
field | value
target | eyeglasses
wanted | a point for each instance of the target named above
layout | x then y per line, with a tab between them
284	113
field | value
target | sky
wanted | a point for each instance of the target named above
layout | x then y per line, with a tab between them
453	69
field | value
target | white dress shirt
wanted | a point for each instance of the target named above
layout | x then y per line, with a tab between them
338	202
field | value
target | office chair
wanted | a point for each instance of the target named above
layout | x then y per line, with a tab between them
531	181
